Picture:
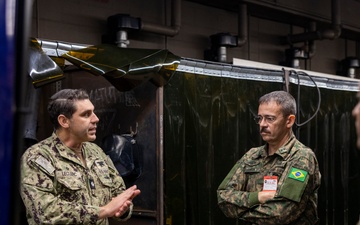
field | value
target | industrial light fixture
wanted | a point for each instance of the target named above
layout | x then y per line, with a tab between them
349	66
118	27
219	44
294	55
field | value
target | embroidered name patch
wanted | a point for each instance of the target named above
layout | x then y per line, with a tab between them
298	174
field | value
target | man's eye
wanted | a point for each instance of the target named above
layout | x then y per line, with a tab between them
270	119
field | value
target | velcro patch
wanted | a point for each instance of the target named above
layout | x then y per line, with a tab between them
294	185
45	164
298	174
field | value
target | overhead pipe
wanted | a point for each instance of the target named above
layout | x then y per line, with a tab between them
330	34
311	44
242	25
221	41
166	30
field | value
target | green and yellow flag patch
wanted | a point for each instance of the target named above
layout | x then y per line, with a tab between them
298	174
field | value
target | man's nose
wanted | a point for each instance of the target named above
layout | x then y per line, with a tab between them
95	119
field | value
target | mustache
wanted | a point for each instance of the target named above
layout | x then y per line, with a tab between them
264	130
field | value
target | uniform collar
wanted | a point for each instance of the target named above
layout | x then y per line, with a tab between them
65	151
283	151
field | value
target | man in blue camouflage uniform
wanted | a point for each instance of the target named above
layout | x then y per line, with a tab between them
66	179
276	183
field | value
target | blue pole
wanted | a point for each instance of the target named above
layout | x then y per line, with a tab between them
15	22
7	74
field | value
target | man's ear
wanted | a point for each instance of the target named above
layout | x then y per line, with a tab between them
290	121
63	121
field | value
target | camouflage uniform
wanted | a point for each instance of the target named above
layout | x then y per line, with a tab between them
57	189
295	201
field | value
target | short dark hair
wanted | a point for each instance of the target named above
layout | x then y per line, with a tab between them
63	102
283	98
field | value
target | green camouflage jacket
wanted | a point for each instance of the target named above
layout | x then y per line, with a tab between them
295	200
57	189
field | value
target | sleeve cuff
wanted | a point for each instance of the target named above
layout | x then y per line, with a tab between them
253	199
92	214
127	215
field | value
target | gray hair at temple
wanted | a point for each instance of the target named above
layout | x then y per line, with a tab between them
63	102
282	98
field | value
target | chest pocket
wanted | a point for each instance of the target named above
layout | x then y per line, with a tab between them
254	177
278	169
102	171
69	185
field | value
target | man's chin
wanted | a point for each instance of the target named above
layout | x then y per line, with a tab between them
92	137
265	136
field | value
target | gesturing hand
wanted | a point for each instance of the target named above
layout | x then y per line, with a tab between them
120	204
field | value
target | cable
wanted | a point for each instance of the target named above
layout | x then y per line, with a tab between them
298	105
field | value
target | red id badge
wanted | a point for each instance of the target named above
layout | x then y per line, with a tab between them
270	183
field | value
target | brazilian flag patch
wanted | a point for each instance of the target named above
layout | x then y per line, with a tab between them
298	174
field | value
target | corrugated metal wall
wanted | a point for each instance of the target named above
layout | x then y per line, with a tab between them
209	125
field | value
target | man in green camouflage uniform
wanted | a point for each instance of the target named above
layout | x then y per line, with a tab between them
276	183
65	179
